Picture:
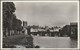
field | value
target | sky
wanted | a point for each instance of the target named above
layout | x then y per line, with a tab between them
47	13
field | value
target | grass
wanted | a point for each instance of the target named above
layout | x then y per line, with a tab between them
18	40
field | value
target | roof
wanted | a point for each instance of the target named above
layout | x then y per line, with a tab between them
73	23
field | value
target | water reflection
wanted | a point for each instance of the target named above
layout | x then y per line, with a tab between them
73	43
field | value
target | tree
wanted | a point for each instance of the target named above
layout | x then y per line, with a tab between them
8	10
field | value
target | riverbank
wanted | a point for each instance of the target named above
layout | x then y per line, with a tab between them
11	41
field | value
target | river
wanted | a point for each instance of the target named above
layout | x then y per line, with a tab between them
54	42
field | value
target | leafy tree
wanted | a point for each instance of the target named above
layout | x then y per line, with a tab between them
8	10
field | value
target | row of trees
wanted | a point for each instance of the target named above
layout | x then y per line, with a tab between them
65	30
10	23
69	30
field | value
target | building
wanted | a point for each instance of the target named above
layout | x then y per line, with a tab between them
74	30
24	31
25	24
54	32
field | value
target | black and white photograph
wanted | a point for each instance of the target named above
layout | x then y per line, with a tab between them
40	24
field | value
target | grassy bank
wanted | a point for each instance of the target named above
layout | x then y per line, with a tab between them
25	40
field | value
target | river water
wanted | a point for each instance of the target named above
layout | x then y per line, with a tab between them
54	42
